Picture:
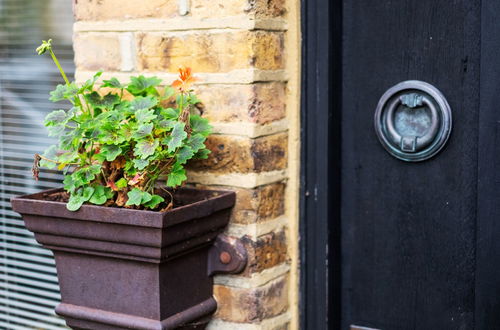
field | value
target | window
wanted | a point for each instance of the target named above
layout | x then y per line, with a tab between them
28	284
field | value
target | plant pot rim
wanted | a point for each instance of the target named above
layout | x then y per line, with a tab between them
208	202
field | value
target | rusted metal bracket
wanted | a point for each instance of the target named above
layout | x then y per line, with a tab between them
227	256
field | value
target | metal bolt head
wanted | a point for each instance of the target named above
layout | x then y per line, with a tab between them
225	257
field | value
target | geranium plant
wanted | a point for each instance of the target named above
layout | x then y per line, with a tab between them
118	141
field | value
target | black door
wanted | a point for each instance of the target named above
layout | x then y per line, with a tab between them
410	245
410	258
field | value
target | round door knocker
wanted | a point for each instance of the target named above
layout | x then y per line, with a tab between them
413	121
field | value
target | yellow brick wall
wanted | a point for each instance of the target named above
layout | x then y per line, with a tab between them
246	54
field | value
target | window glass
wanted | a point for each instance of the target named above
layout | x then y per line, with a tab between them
28	284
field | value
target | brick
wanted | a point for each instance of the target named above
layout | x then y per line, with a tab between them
97	51
102	10
269	103
268	50
228	154
252	305
231	154
256	205
269	152
267	8
210	52
271	201
217	8
99	10
267	251
259	103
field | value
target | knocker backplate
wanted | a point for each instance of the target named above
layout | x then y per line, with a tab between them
413	121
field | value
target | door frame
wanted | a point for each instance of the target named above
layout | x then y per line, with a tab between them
320	164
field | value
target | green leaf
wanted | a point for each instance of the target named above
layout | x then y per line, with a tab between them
146	197
177	136
126	131
86	175
58	94
166	124
69	184
197	142
140	164
144	149
138	197
50	153
107	101
140	85
122	183
141	102
142	131
145	115
109	127
70	139
166	140
184	154
68	157
154	202
113	83
193	99
129	169
170	113
99	197
74	111
93	99
177	176
202	154
89	84
124	107
168	92
108	193
87	193
56	130
75	202
110	151
71	91
200	125
111	119
134	197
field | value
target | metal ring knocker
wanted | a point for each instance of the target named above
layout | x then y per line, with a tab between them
425	125
412	143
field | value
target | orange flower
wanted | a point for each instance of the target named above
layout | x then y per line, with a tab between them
186	80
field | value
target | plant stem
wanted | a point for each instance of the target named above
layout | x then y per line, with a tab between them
55	161
168	192
181	103
77	99
104	176
54	58
90	152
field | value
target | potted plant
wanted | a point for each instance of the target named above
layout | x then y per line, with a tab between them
133	248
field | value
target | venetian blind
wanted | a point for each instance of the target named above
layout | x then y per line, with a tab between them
28	284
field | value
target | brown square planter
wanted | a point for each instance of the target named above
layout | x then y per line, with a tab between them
129	269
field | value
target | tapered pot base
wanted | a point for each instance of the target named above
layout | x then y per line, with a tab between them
79	317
